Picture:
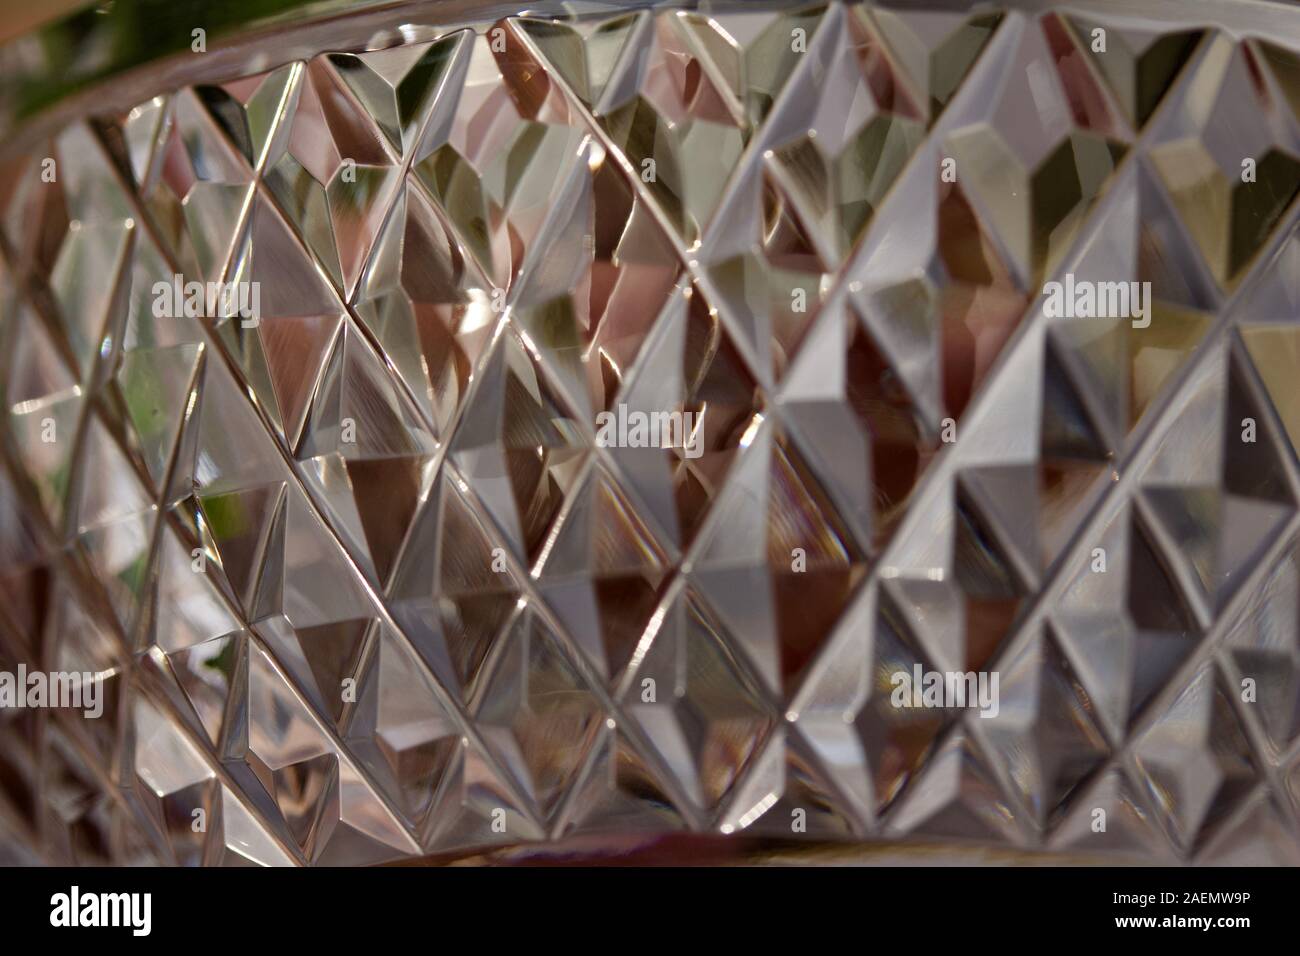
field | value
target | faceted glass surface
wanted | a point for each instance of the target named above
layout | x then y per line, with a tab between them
364	583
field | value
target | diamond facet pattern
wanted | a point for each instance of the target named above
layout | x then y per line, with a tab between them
365	581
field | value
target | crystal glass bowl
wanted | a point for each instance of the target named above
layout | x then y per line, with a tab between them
744	431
